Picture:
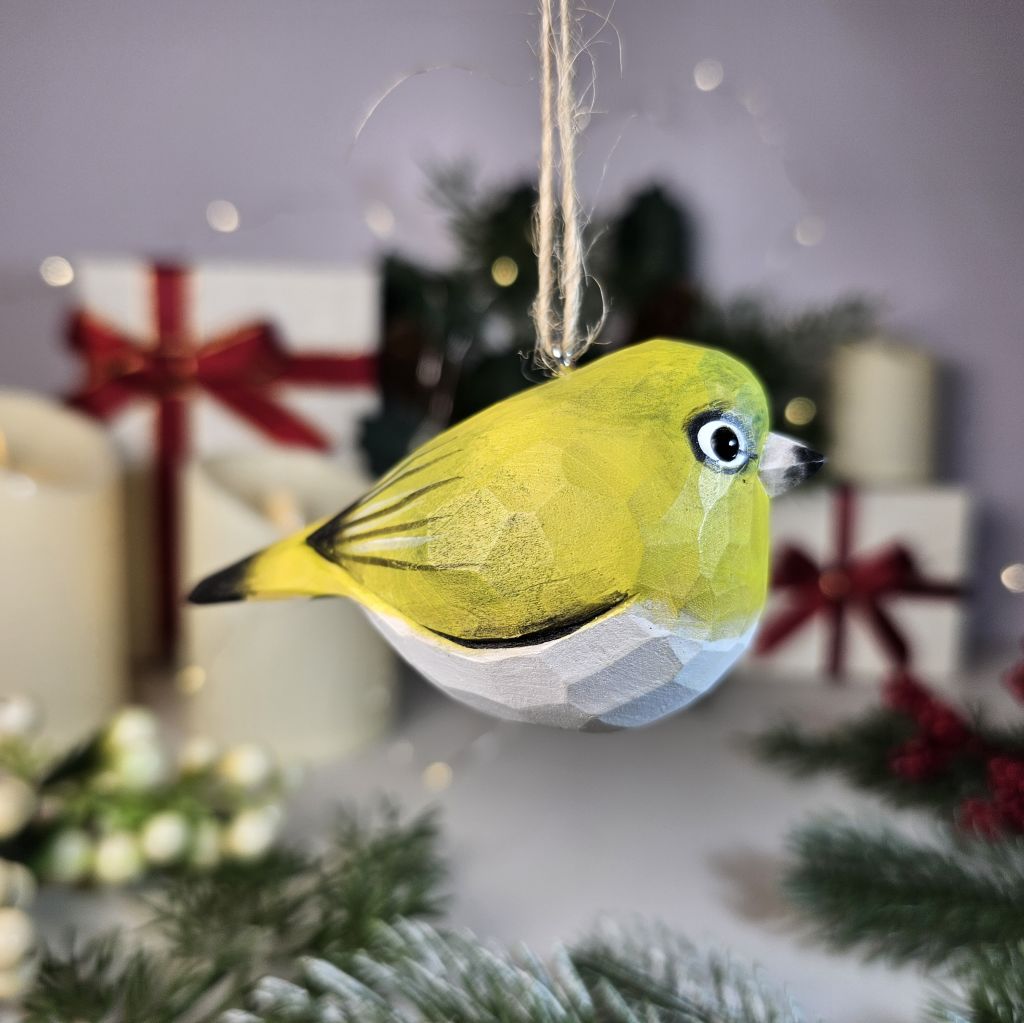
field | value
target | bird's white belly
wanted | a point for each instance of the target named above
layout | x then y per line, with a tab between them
622	671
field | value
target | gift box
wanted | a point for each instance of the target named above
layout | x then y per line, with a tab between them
867	580
332	311
197	361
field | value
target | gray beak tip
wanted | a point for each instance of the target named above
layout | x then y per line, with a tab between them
786	463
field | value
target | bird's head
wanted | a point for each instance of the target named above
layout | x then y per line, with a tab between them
728	429
699	482
719	406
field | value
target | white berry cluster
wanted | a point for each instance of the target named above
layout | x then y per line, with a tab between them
156	811
132	806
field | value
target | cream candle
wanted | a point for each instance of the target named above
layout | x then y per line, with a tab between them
62	615
883	413
312	679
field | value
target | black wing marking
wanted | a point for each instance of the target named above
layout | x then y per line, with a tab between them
546	630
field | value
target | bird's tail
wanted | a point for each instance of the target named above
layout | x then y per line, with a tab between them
289	568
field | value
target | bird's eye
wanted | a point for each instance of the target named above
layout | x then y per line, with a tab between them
719	442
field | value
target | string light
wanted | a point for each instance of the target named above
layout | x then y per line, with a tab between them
379	219
708	75
809	231
56	271
437	776
191	679
504	271
1012	577
800	411
223	216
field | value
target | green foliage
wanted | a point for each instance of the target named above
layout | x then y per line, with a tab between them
993	983
421	975
903	900
955	904
456	340
218	933
651	247
652	968
860	752
334	939
108	980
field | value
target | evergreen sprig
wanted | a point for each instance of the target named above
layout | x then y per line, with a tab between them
110	979
420	974
993	984
860	751
219	932
902	900
294	904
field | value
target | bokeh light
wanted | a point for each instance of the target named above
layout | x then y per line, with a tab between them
800	411
437	776
708	75
191	679
1012	577
56	271
223	216
379	219
504	271
809	230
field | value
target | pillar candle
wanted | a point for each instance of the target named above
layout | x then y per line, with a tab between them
883	413
310	679
62	614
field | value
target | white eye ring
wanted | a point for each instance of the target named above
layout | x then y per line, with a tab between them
728	451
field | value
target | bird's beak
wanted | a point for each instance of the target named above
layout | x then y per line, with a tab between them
785	463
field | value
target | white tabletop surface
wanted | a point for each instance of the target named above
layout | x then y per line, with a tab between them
546	831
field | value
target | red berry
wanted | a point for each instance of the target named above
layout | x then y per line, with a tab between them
904	693
943	724
1006	774
1014	680
979	817
916	760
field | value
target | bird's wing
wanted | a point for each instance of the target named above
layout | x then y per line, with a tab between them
489	534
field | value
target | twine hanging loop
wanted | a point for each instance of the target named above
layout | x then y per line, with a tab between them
559	221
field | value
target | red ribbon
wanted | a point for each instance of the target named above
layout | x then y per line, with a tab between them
847	585
240	369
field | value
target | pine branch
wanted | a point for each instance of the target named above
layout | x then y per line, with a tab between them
860	751
105	981
653	966
422	975
901	900
375	874
994	989
223	930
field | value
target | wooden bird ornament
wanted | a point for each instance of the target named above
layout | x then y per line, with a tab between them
591	553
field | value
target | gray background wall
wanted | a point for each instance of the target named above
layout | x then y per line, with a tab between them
898	123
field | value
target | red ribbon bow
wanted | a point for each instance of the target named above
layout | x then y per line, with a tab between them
847	584
239	369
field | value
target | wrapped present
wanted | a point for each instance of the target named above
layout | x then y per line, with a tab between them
867	580
211	359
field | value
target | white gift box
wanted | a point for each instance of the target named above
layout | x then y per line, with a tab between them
313	310
328	310
931	523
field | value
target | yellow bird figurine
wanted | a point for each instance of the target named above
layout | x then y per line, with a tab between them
591	553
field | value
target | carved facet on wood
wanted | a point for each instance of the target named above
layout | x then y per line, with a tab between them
592	553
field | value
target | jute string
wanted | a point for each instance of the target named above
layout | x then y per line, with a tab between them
560	253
